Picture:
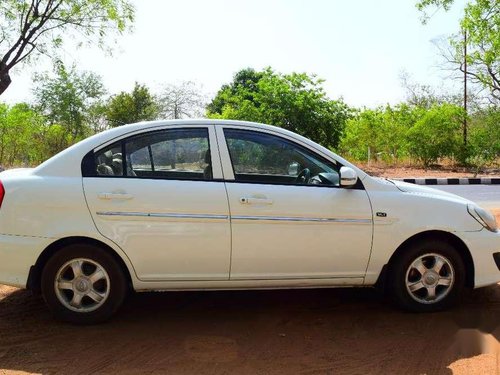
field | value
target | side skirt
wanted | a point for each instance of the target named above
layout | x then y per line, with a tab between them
145	286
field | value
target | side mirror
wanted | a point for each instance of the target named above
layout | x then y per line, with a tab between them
348	177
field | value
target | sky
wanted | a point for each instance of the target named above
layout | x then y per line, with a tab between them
360	47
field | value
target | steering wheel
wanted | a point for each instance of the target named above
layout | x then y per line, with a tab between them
304	176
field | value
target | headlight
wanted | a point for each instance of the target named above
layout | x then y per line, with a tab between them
484	217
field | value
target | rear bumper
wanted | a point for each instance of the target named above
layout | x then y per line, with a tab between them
483	245
17	255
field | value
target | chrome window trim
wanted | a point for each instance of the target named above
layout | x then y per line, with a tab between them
152	129
317	154
213	146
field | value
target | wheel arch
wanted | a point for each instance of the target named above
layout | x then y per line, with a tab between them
35	274
444	236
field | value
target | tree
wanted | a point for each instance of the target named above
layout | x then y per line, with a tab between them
436	134
425	96
481	26
96	116
295	101
52	139
382	130
244	87
30	28
127	108
484	138
19	126
67	97
181	101
362	132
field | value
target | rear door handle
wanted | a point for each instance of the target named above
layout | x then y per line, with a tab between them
122	196
251	200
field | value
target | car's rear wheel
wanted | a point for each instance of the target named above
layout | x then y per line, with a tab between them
83	284
427	276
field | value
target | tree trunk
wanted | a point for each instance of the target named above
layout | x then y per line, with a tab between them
4	78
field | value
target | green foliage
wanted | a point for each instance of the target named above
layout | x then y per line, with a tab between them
295	101
52	139
436	134
362	132
27	138
67	98
19	127
422	5
484	138
127	108
96	117
402	131
382	130
33	28
242	89
70	105
481	24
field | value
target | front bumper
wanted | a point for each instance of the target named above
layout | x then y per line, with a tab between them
17	255
482	245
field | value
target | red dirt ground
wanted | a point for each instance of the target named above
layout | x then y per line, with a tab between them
326	331
437	171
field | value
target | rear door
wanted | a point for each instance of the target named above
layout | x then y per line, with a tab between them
160	196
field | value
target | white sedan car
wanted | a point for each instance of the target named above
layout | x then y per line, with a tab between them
209	204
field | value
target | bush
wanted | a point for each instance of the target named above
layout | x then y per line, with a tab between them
484	138
436	134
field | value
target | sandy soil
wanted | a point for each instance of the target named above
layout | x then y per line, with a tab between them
336	331
408	172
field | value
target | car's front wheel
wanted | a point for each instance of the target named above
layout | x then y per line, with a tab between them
83	284
427	276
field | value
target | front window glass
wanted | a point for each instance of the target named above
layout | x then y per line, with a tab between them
265	158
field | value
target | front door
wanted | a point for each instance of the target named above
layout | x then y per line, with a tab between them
154	195
290	218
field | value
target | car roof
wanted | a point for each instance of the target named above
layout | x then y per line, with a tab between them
198	121
119	131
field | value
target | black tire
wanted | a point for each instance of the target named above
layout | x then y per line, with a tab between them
397	281
115	284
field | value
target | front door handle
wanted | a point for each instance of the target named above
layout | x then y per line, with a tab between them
122	196
252	200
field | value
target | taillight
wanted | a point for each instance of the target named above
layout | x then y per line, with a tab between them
2	193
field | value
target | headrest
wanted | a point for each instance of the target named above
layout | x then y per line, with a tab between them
109	157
